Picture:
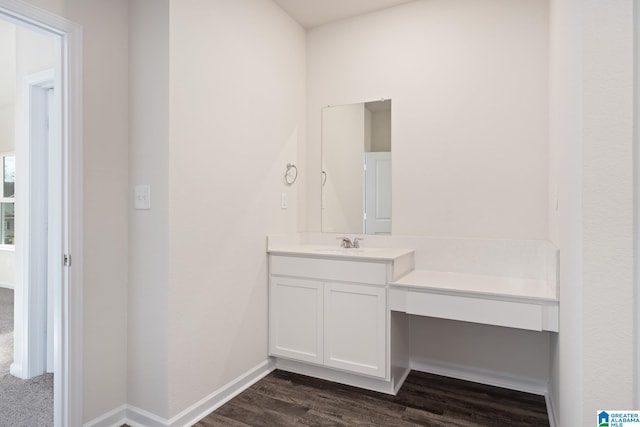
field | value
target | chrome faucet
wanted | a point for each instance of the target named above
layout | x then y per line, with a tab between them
345	242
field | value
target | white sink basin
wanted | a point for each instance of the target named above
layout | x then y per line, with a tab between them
345	251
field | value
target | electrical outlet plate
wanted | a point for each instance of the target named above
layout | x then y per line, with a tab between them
142	197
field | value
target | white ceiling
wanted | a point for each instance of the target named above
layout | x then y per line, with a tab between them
311	13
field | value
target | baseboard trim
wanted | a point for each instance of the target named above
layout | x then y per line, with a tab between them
113	418
401	380
334	375
204	407
482	376
551	408
15	369
136	417
493	378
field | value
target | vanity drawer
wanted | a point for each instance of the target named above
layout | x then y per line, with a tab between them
373	273
478	310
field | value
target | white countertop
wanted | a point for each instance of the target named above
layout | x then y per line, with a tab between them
476	285
335	252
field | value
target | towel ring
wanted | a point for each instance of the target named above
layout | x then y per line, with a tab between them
324	178
289	175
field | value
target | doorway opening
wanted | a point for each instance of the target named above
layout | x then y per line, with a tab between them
48	209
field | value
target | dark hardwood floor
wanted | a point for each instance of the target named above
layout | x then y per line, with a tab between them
286	399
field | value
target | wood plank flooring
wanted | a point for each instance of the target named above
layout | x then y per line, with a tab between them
286	399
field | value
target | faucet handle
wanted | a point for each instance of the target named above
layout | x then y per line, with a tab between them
345	242
356	241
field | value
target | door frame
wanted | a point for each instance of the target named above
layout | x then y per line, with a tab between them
39	193
636	192
68	325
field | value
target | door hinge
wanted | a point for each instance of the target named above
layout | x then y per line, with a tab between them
66	260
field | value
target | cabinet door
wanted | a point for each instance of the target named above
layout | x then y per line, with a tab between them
355	328
295	319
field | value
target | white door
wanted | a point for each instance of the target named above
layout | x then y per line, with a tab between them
295	319
377	193
355	328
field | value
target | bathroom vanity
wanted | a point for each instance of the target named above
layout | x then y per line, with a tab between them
344	314
329	317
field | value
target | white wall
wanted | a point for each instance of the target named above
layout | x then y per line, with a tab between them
7	124
7	119
607	203
35	52
7	84
367	131
468	80
511	353
593	97
106	196
237	117
566	386
381	131
147	373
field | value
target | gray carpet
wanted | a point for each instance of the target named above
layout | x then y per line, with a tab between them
23	403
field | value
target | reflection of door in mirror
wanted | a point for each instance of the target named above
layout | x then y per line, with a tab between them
377	193
356	198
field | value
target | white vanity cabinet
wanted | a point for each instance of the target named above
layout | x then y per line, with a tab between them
296	318
329	312
329	316
355	328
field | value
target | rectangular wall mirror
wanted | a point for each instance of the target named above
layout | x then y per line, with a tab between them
356	168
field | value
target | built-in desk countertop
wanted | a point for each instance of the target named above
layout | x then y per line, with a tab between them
494	300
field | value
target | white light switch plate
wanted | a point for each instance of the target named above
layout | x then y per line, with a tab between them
142	197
